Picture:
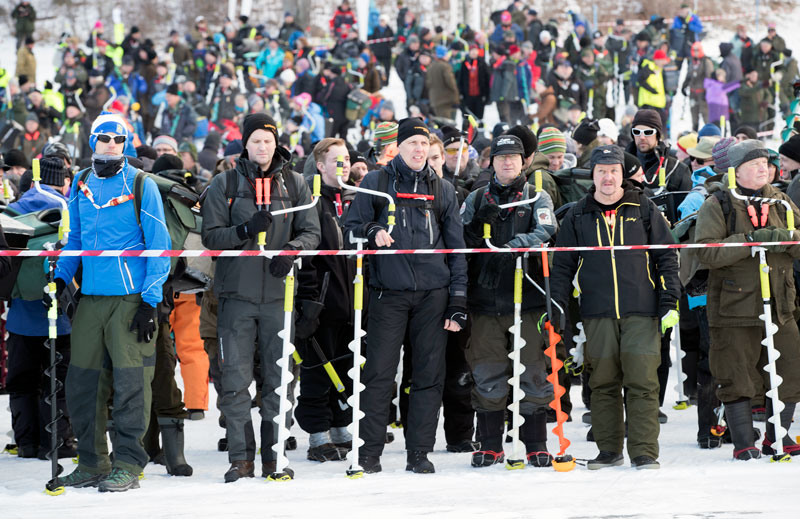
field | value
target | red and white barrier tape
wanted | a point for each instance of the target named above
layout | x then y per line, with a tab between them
370	252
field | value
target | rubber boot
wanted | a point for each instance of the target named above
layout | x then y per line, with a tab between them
172	439
490	431
706	418
151	443
534	435
740	423
789	446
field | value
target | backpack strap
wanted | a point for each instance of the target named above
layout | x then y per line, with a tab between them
138	193
378	202
644	210
577	216
725	204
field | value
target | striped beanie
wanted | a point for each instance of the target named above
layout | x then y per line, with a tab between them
551	140
385	133
719	153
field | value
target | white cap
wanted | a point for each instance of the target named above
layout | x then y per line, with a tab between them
608	128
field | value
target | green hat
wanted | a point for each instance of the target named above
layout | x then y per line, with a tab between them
551	140
188	147
385	133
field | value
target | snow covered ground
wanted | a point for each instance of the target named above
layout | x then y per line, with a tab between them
692	483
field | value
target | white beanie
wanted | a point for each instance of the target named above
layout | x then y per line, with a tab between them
608	128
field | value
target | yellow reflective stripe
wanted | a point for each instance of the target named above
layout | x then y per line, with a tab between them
647	257
613	264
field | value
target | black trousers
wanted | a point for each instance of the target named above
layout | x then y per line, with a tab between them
391	314
320	406
27	387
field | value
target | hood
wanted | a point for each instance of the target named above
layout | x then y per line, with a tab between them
700	176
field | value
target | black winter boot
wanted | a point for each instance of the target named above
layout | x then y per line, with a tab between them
706	417
740	423
172	439
418	462
534	434
490	431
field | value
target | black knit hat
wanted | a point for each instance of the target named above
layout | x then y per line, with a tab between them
258	121
167	162
529	141
586	132
650	118
791	148
15	157
410	127
450	135
631	165
53	171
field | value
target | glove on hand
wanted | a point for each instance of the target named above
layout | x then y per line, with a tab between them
144	323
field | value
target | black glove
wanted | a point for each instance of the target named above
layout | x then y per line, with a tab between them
308	320
457	311
488	213
259	222
372	231
47	301
499	264
280	266
144	323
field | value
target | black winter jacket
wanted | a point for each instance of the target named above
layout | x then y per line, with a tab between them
413	230
623	283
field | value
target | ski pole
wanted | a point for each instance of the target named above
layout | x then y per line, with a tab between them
356	471
282	472
54	486
562	462
315	195
770	328
682	402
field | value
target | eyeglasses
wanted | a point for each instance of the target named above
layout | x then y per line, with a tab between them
105	138
452	151
636	132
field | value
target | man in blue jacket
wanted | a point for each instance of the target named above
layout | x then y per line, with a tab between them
115	324
420	295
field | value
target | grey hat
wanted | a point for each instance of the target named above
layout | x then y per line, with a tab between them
746	151
607	155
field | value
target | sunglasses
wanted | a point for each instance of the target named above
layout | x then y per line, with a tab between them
105	138
452	151
700	162
636	132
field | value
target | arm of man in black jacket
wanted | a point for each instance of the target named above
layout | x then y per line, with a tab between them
666	261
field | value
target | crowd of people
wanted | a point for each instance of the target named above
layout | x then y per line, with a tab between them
584	135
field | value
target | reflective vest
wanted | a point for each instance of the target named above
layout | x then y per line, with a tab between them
656	82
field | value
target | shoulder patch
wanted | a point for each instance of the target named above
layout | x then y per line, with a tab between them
544	216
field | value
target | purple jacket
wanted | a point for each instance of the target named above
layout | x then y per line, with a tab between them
717	97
